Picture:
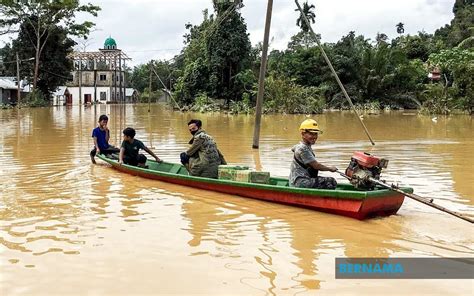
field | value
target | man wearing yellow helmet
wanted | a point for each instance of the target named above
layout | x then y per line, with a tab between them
304	168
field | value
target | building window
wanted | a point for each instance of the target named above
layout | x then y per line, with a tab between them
103	96
103	77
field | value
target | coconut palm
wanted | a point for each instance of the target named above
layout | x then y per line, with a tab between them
381	38
310	15
400	28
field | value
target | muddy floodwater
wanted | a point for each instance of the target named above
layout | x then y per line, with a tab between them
68	227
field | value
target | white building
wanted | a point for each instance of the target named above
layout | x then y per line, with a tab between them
98	77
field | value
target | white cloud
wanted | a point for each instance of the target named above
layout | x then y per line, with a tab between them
153	29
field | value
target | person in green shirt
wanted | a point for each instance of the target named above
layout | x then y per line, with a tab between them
129	152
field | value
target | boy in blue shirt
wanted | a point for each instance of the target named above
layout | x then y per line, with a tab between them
101	137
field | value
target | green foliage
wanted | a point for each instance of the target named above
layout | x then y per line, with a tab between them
461	27
140	76
218	63
217	51
310	15
415	47
303	40
203	104
49	13
436	100
54	65
463	87
42	18
458	66
35	98
194	80
452	59
243	106
283	95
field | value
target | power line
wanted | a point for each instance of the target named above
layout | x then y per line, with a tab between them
148	50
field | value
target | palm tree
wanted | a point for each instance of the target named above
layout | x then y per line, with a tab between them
400	28
381	38
310	15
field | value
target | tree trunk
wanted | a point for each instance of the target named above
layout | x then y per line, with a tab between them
37	56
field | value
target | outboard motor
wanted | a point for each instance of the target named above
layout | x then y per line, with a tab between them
364	166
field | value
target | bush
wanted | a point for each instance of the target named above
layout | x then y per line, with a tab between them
202	103
283	95
436	100
35	99
244	106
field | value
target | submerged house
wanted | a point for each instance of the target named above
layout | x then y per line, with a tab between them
9	91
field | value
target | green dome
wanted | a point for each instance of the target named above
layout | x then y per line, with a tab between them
110	43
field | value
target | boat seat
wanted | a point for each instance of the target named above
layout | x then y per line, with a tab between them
175	169
282	183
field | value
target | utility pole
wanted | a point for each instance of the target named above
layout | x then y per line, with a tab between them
261	79
149	87
80	81
18	99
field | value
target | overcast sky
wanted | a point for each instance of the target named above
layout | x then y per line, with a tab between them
153	29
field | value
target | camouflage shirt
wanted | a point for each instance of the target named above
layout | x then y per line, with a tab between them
305	155
204	157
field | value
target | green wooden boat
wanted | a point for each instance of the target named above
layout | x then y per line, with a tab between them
344	200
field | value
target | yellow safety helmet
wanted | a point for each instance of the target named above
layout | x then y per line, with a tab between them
310	125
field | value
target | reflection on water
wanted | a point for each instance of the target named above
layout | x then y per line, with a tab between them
69	227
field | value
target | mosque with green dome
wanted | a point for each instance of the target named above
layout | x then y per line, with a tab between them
98	77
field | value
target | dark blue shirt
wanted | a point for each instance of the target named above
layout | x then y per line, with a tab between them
101	138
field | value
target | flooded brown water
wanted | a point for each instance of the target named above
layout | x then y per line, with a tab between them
68	227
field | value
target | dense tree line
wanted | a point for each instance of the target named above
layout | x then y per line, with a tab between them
218	67
218	64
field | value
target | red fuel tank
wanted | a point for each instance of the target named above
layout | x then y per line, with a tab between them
365	159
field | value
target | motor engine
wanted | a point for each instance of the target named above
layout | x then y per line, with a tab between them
364	166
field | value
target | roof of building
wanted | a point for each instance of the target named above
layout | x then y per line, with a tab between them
60	91
7	83
110	43
129	92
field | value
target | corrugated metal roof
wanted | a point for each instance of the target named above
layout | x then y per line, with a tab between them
7	83
129	92
60	91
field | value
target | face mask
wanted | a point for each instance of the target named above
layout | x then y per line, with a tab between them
193	132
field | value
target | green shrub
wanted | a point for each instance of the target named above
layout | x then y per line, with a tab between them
244	106
202	103
283	95
35	99
436	100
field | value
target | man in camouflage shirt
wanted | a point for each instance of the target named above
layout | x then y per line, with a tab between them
203	158
304	167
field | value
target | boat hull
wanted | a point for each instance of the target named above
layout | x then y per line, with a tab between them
381	203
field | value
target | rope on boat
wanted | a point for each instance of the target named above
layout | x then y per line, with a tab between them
333	71
423	200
